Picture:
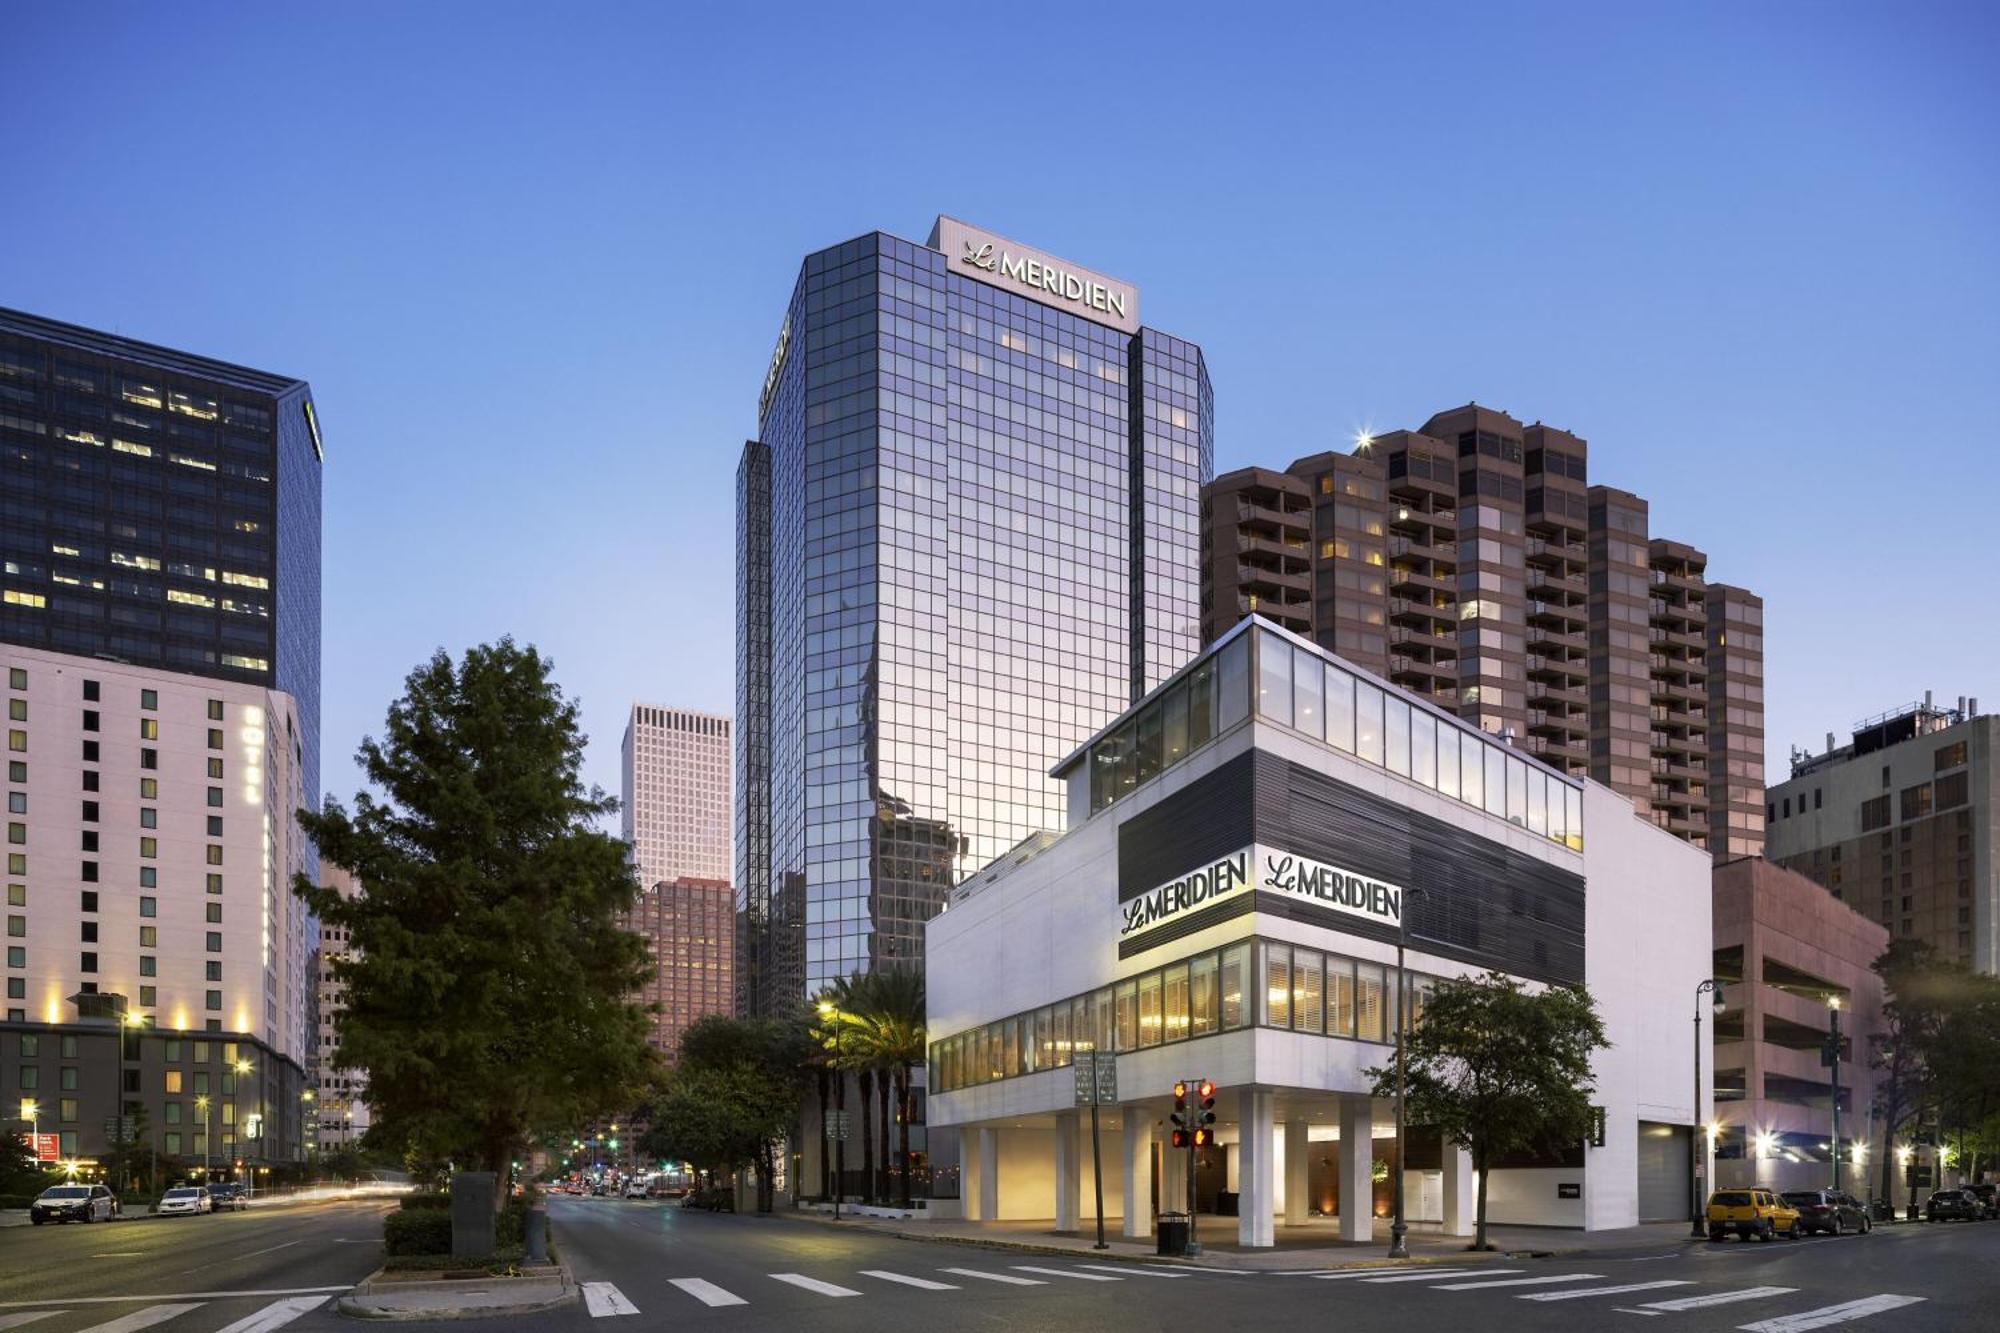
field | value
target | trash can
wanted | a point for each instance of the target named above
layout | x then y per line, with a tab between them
1172	1233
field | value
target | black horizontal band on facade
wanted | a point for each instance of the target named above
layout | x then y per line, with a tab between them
1180	928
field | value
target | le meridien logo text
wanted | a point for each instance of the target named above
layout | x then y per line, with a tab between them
1044	277
1274	872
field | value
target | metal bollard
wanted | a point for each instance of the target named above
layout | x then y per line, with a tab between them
535	1231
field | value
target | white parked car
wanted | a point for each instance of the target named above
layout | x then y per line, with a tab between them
635	1189
187	1199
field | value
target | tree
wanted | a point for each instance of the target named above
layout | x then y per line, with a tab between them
734	1095
490	986
20	1173
893	1031
1500	1069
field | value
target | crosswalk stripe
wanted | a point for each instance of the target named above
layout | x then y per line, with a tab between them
814	1284
922	1283
1400	1275
1718	1298
603	1299
1601	1291
275	1315
138	1319
1830	1314
1434	1275
26	1317
705	1291
1008	1278
1065	1272
1142	1272
1520	1282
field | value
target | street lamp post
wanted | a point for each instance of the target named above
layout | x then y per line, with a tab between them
207	1108
1695	1227
31	1111
827	1011
1398	1229
1833	1059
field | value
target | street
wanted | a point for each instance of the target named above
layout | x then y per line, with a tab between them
656	1264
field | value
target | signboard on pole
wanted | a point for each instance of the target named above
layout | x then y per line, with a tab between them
836	1126
1096	1078
48	1147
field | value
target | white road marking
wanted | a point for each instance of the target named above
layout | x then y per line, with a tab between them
26	1317
276	1315
1402	1275
706	1292
1601	1291
1438	1273
1008	1278
1719	1298
814	1284
921	1283
146	1318
119	1254
603	1299
183	1296
1128	1271
267	1250
1520	1282
1065	1272
1830	1314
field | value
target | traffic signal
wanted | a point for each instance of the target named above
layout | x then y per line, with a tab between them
1180	1119
1204	1115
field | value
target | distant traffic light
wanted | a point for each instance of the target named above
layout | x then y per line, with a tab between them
1205	1115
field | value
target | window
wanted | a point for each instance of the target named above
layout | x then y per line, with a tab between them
1368	721
215	854
90	691
1149	1009
215	738
1201	995
213	1002
1128	1015
1278	985
215	769
149	699
215	797
149	848
149	728
215	941
215	710
1235	986
148	817
173	1082
1308	1003
214	911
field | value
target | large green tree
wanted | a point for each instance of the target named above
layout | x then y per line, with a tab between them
1500	1069
733	1096
490	986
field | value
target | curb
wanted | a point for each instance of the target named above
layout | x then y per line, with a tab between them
353	1305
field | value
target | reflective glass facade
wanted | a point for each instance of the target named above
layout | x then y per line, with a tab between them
160	509
980	513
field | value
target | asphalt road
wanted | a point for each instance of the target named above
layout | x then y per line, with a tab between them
654	1265
651	1265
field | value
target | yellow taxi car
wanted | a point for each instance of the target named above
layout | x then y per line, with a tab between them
1751	1212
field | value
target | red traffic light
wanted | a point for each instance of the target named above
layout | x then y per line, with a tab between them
1180	1138
1207	1089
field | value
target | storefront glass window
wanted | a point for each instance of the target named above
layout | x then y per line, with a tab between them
1128	1015
1517	792
1201	995
1101	1035
1339	709
1274	678
1059	1046
1447	761
1396	735
1538	802
1010	1049
1423	747
1472	772
1147	758
1340	997
1045	1040
1174	726
1573	816
1201	705
1308	1004
1232	683
1370	1011
1079	1024
1235	980
1308	696
1496	780
1278	985
1174	1002
1367	722
1149	1009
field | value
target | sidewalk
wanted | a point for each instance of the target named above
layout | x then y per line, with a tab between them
1312	1246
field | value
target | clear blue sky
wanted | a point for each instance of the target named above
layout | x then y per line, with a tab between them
533	259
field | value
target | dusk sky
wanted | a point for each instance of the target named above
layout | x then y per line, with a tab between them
533	261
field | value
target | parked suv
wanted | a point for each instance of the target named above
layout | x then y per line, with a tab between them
74	1203
227	1197
1946	1205
1748	1213
1989	1196
1832	1211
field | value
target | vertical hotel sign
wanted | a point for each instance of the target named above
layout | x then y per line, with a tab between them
1017	268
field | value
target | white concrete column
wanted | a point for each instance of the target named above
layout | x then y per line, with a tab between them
1357	1165
989	1175
1138	1172
1298	1167
1069	1172
1257	1169
1461	1204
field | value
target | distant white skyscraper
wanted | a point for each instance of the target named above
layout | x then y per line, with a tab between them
676	777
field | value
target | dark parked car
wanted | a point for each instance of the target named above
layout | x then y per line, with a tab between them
227	1198
1832	1211
74	1203
1989	1197
1945	1205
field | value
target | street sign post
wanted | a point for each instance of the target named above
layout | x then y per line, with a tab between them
48	1147
1096	1084
836	1126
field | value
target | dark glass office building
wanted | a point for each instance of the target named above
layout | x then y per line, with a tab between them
160	509
967	536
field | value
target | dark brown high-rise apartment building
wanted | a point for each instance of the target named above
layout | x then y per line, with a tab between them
691	925
1472	561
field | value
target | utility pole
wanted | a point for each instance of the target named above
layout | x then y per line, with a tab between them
1833	1062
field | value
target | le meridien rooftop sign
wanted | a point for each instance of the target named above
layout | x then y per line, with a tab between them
1017	268
1266	870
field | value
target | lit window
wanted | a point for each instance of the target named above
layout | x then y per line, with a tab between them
15	597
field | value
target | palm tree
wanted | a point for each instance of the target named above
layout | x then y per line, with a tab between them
843	1008
896	1039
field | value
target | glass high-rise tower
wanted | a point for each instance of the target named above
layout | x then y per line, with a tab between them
966	539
